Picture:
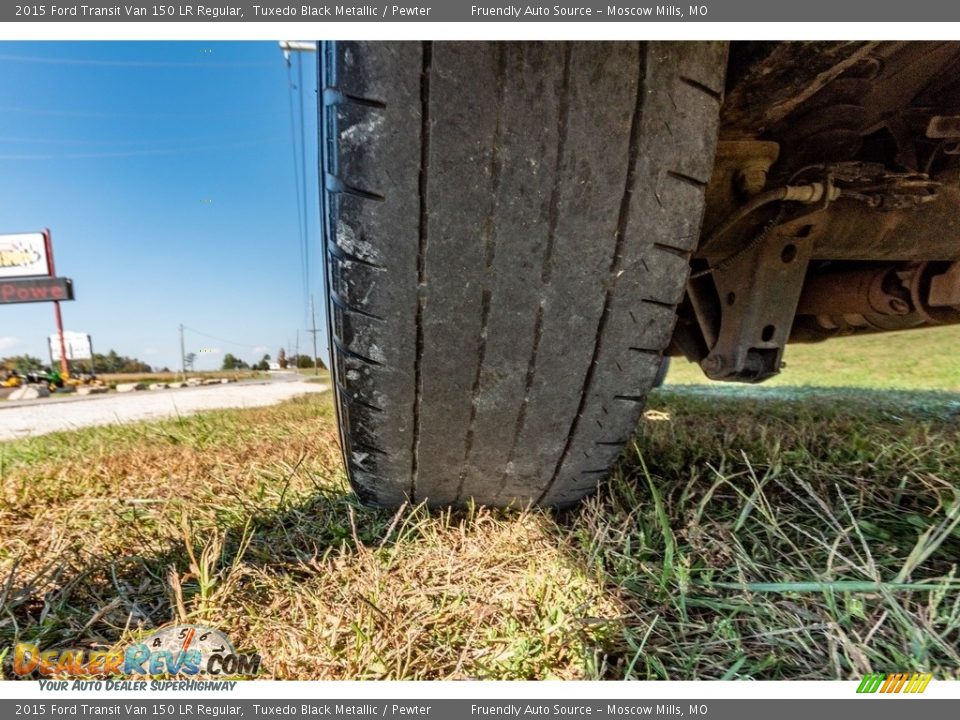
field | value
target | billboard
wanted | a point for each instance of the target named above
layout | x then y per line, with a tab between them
77	344
24	255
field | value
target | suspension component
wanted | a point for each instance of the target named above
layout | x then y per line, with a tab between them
890	296
863	291
831	124
747	305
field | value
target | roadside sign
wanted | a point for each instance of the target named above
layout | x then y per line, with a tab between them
35	289
27	275
77	345
24	255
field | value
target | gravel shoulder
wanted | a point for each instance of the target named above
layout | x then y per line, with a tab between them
40	417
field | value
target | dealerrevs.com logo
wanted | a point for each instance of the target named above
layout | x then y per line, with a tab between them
180	651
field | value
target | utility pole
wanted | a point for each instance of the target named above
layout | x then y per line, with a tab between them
183	356
289	46
64	365
296	353
313	331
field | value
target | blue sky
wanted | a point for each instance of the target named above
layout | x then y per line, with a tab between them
165	173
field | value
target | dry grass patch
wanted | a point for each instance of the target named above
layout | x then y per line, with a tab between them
792	535
475	596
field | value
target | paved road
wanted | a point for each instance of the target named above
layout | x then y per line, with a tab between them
25	419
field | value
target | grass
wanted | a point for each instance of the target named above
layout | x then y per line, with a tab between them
770	537
924	359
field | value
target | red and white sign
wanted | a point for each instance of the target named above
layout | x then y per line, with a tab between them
24	255
35	289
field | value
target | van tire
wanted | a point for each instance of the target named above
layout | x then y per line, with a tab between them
508	229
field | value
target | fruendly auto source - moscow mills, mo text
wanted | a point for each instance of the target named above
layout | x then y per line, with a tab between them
609	11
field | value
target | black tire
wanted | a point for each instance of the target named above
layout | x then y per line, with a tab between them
662	371
508	229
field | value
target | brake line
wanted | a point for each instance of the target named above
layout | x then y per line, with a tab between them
807	194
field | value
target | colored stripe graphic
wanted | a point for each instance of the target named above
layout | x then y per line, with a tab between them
894	683
870	683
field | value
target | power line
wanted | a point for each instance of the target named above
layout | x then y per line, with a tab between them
303	173
303	203
296	182
220	339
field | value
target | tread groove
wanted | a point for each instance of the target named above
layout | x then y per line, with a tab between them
350	398
369	449
524	404
339	253
633	153
705	89
490	251
346	307
688	179
679	252
659	303
355	355
427	61
337	186
334	96
553	212
546	266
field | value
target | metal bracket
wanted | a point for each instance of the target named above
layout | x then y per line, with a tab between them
759	292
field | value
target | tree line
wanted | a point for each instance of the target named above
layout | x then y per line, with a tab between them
111	362
231	362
